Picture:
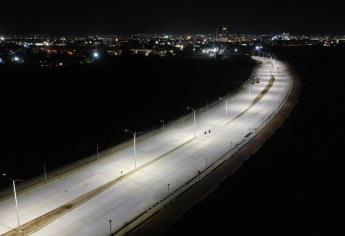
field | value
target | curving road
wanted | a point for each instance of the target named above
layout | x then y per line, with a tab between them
165	163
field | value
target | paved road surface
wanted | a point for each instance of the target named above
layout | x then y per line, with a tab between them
181	157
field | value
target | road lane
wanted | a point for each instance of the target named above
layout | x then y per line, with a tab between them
140	190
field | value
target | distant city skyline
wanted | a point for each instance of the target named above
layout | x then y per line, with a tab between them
104	17
48	51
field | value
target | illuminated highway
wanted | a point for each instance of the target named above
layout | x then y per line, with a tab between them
165	162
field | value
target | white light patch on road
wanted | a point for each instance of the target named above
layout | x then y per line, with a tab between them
175	157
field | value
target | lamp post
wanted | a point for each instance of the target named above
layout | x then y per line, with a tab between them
163	123
15	195
110	226
134	145
194	118
226	107
45	173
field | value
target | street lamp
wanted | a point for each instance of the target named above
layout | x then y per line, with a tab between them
134	145
163	122
194	118
45	173
110	226
97	151
15	194
226	107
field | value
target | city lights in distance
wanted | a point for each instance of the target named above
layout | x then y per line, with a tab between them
17	59
180	46
95	55
212	52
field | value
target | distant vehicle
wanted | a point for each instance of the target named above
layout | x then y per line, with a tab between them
253	81
257	81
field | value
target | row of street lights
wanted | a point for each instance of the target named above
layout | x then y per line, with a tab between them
134	133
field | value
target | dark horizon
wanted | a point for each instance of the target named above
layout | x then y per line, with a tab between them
178	17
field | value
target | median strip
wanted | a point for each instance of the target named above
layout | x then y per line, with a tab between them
256	100
40	222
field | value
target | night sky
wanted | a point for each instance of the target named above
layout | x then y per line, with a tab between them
99	16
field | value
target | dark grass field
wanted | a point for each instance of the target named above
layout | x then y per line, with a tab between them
58	116
294	185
